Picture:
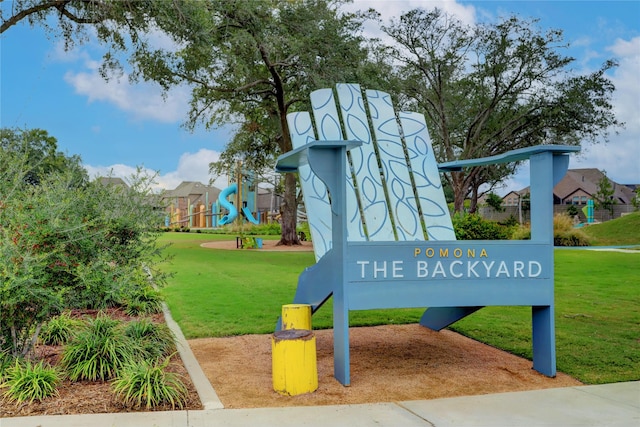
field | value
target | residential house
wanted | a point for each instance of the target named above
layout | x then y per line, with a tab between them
512	198
577	187
580	185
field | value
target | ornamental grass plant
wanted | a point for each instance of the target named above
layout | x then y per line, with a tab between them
59	330
99	350
155	340
28	382
147	384
146	300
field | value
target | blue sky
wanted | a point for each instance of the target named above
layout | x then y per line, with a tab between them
117	126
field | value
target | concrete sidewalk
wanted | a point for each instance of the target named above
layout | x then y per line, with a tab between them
601	405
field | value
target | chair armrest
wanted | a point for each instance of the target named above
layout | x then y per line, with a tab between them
290	161
508	157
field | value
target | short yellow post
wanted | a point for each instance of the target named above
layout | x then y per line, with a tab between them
294	364
296	316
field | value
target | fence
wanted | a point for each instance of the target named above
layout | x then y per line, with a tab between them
600	215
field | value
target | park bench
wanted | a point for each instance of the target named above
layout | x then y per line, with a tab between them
382	231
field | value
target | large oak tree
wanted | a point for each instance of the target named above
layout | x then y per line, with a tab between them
489	88
253	62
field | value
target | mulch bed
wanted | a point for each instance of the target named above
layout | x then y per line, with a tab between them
91	397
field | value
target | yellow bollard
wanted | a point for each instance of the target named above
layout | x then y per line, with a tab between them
294	364
296	316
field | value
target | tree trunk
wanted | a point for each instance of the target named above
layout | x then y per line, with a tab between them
289	211
473	207
459	191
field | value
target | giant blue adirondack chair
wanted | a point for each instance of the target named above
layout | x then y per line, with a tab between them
382	232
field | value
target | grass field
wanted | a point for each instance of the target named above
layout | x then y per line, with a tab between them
222	293
621	231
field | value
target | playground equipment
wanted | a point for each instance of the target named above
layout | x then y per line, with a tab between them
245	198
374	254
588	211
222	199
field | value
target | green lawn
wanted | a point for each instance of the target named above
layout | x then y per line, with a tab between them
620	231
221	293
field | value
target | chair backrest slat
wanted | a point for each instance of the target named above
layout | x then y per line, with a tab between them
424	165
325	114
402	200
365	164
315	192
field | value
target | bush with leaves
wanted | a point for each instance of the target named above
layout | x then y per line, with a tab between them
6	360
29	382
495	202
67	244
143	300
474	227
572	210
564	234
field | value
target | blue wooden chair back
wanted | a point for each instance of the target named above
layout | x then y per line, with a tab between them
399	193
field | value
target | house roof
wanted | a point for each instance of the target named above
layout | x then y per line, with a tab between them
192	188
588	181
578	179
112	181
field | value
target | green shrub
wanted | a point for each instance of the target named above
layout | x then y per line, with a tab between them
521	232
59	330
304	228
145	384
564	234
98	351
25	381
474	227
512	221
272	229
570	238
6	360
155	340
572	210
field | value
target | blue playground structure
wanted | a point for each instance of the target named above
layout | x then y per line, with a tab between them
245	198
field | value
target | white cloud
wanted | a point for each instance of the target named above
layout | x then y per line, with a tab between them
393	9
193	167
190	167
627	82
143	100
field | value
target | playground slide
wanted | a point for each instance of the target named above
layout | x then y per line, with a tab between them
249	216
233	212
222	198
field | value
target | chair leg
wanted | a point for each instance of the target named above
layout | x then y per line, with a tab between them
544	340
341	357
